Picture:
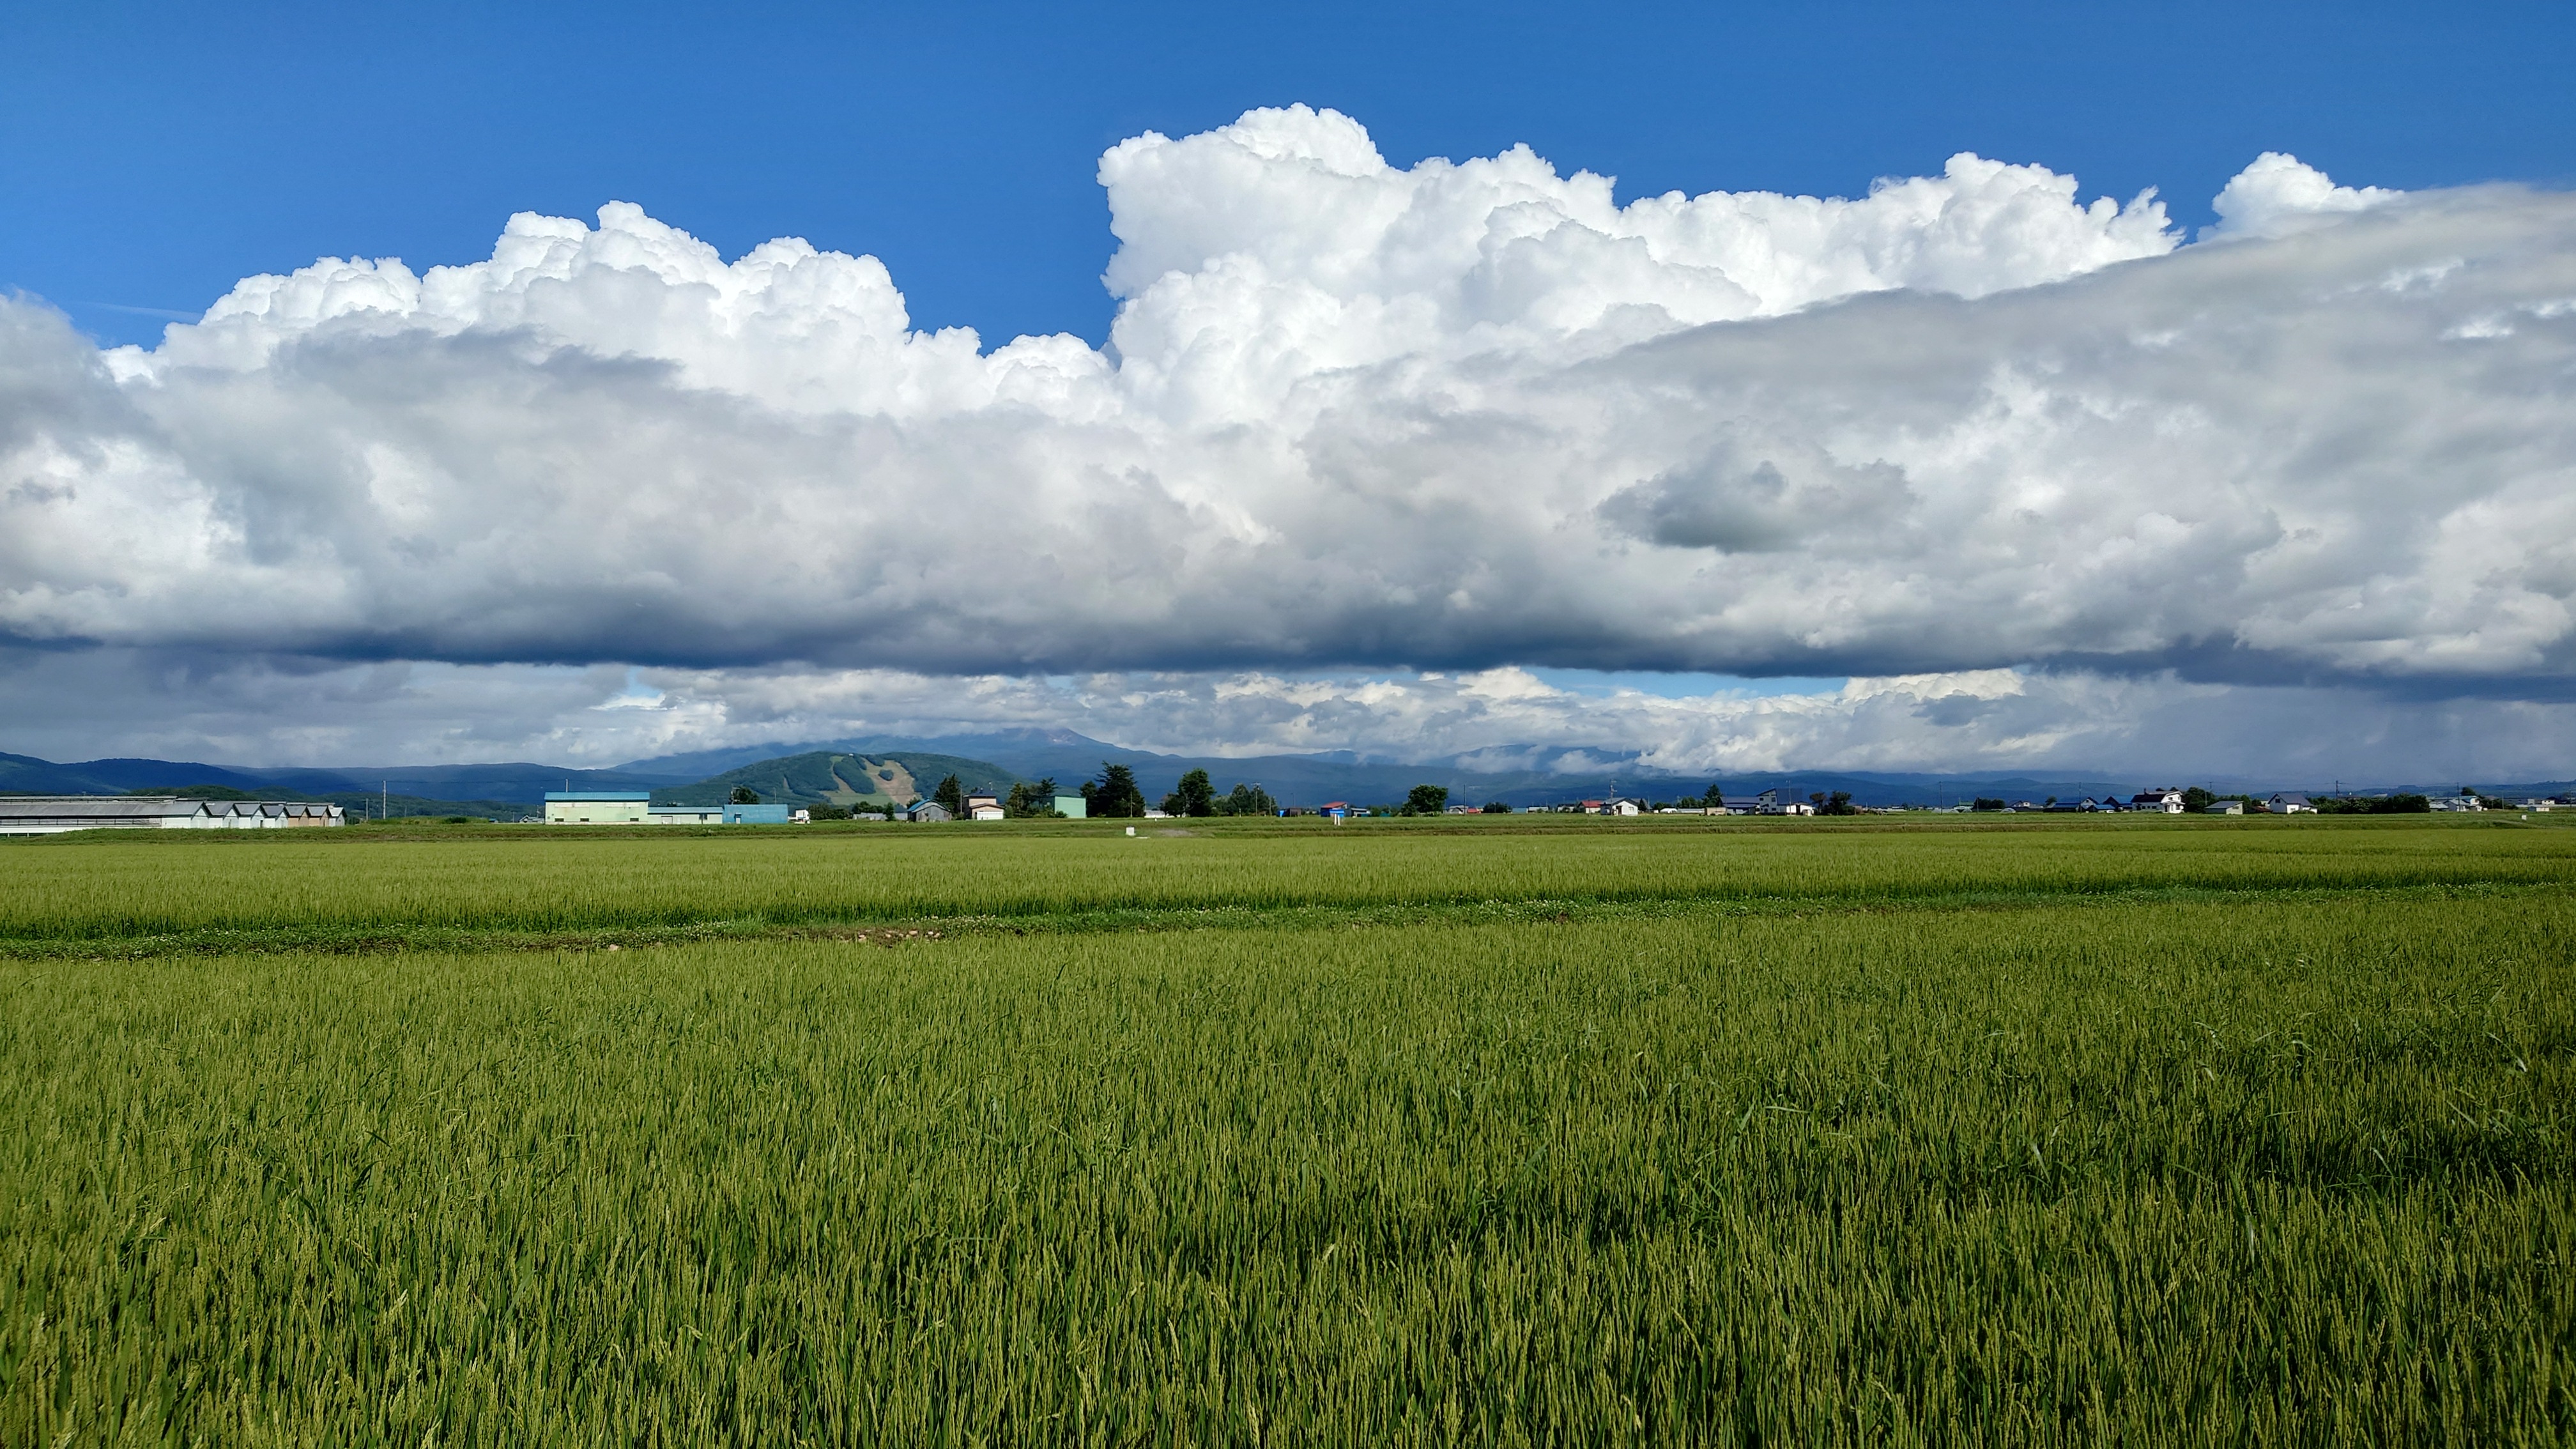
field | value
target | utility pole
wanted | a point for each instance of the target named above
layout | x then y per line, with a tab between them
385	808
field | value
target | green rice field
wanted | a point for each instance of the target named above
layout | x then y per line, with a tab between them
113	885
1487	1132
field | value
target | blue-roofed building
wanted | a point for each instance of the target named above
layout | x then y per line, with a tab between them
636	807
598	807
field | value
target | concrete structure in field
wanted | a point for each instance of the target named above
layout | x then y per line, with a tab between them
636	807
54	814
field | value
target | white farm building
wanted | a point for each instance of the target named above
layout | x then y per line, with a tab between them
54	814
636	807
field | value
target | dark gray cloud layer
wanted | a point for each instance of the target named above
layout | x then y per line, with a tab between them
77	704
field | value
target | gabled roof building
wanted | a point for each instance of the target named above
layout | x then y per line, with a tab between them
54	814
636	807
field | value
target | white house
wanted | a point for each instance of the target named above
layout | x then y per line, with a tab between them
2167	801
2290	802
985	807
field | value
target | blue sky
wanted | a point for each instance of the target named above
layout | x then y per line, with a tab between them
1384	435
155	153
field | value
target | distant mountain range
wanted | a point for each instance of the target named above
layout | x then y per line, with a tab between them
873	767
1069	758
827	777
500	792
1032	754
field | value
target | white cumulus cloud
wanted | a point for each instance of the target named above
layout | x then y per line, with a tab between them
1456	416
2280	194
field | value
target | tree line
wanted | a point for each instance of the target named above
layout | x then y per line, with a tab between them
1116	795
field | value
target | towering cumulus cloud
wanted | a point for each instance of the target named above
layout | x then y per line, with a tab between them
1453	416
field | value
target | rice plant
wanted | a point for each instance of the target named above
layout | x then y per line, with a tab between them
532	879
2252	1171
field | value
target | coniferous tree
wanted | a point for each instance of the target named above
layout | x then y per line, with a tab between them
950	796
1031	802
1114	794
1195	796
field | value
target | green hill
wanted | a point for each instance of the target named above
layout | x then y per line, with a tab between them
823	777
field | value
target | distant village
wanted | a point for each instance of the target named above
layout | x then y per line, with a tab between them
2194	801
1117	796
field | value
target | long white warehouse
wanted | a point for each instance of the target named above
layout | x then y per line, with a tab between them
53	814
